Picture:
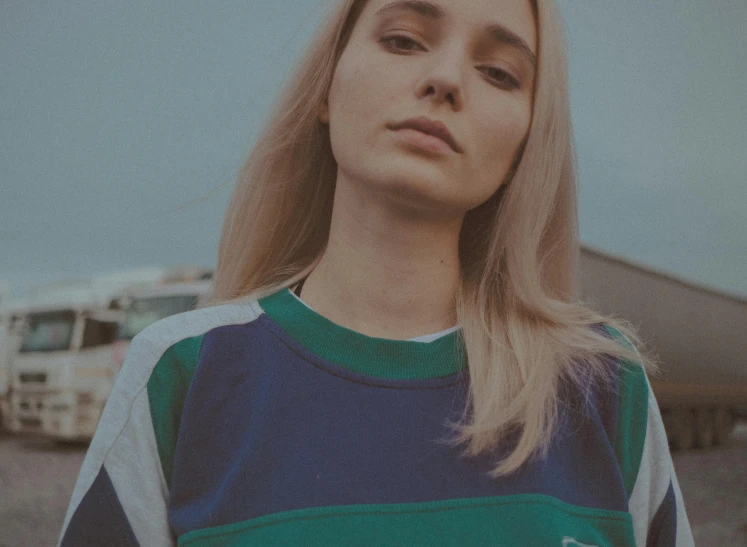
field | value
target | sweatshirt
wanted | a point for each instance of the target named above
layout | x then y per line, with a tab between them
264	423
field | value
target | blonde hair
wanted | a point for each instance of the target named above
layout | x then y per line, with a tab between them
524	333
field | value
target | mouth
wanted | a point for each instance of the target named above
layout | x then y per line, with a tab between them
431	132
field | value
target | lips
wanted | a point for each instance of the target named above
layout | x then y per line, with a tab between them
429	127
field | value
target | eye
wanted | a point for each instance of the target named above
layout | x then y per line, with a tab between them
500	77
399	42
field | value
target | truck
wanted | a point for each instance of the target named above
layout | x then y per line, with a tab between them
67	342
8	344
5	343
62	367
697	333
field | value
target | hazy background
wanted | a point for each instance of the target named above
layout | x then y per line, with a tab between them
122	126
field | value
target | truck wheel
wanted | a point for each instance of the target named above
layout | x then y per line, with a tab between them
683	419
704	427
723	424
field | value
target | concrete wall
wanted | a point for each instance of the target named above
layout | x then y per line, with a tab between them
700	335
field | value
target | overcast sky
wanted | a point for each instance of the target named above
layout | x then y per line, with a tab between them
122	126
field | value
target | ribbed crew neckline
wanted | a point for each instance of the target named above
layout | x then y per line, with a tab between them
424	338
377	357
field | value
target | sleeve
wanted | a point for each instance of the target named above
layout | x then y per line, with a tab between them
121	495
655	500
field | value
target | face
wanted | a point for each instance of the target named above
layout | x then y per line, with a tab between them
413	70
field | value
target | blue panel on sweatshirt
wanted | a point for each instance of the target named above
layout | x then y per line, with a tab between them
268	427
99	518
663	529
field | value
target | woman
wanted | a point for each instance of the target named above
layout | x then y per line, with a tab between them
431	379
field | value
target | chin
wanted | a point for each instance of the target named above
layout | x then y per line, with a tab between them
415	167
411	181
410	189
405	173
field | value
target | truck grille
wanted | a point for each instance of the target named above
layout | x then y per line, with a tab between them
33	377
30	423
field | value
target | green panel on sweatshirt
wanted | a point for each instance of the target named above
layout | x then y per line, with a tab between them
167	389
521	520
632	416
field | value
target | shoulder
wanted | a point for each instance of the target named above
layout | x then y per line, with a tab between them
182	334
166	332
617	394
160	365
629	386
165	353
632	395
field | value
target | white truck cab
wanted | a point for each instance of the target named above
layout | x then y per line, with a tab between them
9	342
63	368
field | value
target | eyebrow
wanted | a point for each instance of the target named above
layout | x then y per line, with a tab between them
498	33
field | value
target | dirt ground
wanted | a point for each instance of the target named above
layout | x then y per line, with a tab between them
37	479
714	486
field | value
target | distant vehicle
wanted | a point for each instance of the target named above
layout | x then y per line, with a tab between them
145	305
63	368
61	350
699	335
4	371
9	342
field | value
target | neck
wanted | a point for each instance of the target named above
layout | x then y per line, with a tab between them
386	273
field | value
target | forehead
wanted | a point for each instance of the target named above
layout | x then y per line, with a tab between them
515	15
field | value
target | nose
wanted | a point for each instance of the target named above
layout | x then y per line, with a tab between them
443	82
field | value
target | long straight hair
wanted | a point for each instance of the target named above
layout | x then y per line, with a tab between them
524	332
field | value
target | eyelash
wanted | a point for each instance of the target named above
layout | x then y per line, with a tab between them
505	80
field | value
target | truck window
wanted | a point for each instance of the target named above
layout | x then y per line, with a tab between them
49	331
144	311
98	333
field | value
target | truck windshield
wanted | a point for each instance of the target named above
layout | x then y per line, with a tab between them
144	311
48	331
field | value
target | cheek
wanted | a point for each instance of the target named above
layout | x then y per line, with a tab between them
497	139
502	134
362	88
348	92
